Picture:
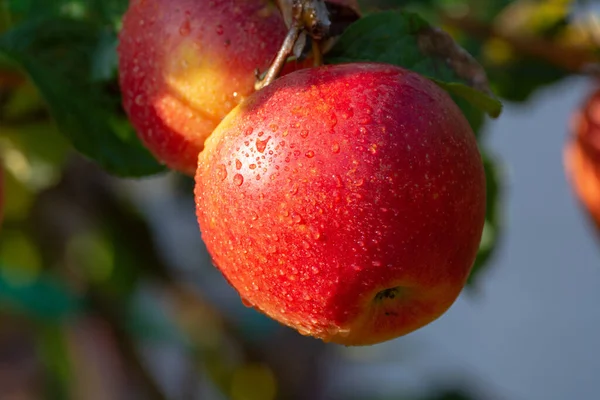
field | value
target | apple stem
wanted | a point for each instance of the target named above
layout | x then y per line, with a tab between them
277	65
317	54
310	16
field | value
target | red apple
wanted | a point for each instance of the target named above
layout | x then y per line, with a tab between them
582	155
344	201
184	64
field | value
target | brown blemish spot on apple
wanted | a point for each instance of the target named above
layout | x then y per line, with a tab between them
389	294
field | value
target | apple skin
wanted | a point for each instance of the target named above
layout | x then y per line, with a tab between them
184	64
344	201
582	155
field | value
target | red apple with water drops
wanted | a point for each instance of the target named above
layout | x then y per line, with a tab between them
184	64
344	201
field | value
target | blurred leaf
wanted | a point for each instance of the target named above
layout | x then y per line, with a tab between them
493	223
103	11
17	205
45	298
521	78
406	40
54	351
59	56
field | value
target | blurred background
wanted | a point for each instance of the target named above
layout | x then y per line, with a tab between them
107	291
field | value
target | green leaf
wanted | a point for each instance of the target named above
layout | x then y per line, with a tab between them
405	39
68	61
493	221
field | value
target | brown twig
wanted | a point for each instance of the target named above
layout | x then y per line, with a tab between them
571	59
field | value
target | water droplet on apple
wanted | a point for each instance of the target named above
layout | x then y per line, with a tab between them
376	263
221	172
261	145
304	133
344	332
253	216
305	244
219	29
238	179
185	28
310	154
335	147
238	164
315	270
247	302
139	100
296	218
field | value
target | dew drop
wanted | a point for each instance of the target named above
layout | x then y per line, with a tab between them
315	270
261	145
253	216
304	133
139	100
296	218
219	29
335	148
238	164
376	263
367	119
305	244
247	302
221	172
310	154
238	179
315	233
185	28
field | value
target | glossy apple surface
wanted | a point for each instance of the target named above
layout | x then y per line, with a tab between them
344	201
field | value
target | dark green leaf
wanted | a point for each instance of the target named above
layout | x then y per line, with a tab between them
69	62
405	39
493	223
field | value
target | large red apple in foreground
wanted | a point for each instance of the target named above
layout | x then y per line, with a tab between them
345	201
582	155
